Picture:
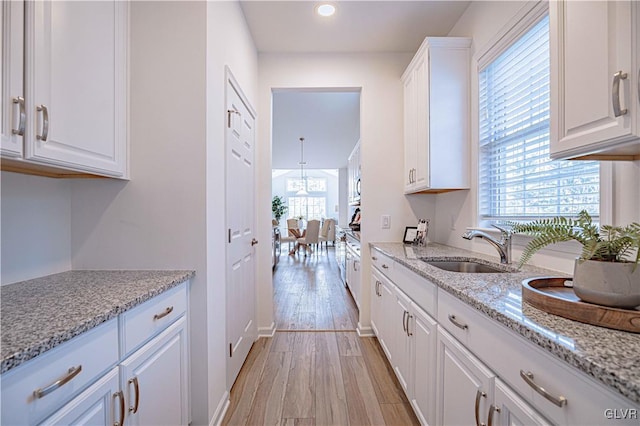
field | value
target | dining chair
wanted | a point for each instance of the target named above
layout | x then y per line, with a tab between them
311	236
328	233
293	233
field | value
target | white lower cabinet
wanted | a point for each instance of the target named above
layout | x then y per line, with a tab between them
88	381
465	385
509	409
100	404
460	367
353	275
154	380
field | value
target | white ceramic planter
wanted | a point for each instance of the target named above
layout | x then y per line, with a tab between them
613	284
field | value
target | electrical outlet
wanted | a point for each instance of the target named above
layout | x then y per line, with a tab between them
385	221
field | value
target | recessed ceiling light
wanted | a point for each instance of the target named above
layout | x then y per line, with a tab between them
325	9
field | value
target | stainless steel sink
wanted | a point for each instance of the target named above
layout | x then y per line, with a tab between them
463	266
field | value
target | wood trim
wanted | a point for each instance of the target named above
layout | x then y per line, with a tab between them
22	167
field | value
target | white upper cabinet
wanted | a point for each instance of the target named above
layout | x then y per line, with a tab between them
595	68
436	116
12	113
75	88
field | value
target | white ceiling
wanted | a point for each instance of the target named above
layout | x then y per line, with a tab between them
329	122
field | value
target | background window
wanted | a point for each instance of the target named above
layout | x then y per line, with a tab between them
517	178
308	207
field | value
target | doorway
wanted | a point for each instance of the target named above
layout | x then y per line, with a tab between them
308	291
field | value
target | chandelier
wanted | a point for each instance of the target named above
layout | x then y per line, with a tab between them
303	183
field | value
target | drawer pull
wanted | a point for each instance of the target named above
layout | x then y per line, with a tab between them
560	401
457	323
385	266
23	116
164	314
492	409
45	123
73	372
136	389
615	94
404	321
479	394
120	396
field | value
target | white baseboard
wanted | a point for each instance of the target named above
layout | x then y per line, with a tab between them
365	331
221	410
267	331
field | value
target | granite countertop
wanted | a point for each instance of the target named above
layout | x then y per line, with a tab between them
610	356
40	314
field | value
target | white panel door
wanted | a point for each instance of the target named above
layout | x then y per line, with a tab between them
240	288
154	380
465	386
76	68
12	113
591	41
100	404
421	174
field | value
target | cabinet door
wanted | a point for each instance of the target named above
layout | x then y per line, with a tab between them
154	380
410	129
388	327
423	330
376	304
98	405
12	113
76	71
400	346
591	41
421	173
509	409
464	386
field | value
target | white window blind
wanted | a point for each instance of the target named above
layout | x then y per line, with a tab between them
517	178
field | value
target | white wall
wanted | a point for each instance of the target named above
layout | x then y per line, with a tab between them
381	122
229	43
35	227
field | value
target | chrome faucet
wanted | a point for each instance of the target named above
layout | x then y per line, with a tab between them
503	246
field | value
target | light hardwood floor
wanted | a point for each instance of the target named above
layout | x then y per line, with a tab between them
316	370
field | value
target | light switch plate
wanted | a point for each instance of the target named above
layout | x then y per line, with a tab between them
385	221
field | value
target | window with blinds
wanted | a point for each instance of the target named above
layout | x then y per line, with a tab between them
517	178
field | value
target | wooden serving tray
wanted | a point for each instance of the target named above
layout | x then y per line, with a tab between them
549	294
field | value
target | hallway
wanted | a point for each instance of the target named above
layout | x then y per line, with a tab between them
316	370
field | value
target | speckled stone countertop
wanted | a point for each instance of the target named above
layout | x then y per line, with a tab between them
610	356
40	314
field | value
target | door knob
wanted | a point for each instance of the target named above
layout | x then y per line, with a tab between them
254	241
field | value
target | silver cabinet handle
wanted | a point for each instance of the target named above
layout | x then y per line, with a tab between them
385	266
409	316
404	324
479	394
374	258
45	123
163	314
615	94
73	372
492	409
23	116
560	401
120	396
410	170
136	389
229	112
457	323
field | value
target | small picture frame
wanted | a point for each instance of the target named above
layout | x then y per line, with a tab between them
410	234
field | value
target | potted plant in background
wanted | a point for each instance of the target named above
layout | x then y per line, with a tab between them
278	208
607	272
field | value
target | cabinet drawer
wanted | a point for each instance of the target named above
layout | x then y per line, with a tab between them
455	317
145	321
383	263
94	351
422	291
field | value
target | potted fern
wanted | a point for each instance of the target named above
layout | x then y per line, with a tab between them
607	272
